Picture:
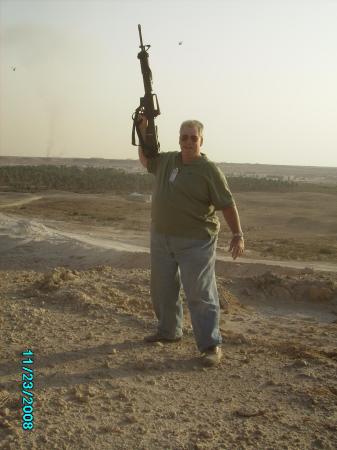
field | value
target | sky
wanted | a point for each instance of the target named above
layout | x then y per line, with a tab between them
259	74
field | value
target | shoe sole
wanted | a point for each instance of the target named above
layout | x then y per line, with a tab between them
211	360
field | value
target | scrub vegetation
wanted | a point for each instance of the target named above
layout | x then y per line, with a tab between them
98	180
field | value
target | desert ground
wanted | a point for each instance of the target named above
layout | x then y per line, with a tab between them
74	288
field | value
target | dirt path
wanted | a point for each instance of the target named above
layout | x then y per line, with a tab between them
6	201
123	241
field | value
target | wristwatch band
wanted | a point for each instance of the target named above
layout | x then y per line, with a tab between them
240	234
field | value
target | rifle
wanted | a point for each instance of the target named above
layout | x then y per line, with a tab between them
148	106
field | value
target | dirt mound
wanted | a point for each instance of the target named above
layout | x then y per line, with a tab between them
57	277
98	385
304	287
98	289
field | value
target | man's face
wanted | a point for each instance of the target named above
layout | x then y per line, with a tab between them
190	141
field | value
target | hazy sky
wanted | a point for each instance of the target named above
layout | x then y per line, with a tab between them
260	74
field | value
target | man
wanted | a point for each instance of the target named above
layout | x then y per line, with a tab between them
188	190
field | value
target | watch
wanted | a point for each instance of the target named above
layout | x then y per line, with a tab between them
240	234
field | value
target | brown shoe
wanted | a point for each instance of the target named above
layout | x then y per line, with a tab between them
212	356
158	338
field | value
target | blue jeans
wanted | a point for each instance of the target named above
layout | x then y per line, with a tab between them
190	262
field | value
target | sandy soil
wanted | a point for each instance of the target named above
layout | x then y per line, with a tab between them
74	287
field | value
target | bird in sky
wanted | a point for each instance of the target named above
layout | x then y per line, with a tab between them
14	68
180	43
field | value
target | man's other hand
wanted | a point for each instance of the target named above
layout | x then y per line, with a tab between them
236	246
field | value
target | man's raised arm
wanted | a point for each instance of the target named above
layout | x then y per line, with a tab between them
143	125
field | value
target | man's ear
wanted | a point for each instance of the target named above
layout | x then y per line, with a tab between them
201	141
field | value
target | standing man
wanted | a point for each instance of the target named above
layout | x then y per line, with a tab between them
188	190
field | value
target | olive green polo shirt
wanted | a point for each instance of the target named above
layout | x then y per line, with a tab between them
186	196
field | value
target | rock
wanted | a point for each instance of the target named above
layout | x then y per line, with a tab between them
199	446
246	291
122	396
333	390
281	292
5	424
130	409
309	375
299	363
318	443
81	397
130	418
249	412
92	391
237	319
205	434
110	428
241	339
107	364
319	294
307	270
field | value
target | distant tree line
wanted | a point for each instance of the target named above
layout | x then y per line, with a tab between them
96	180
76	179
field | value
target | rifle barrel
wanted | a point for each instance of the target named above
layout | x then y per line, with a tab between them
140	36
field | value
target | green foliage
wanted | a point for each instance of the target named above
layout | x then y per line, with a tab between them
252	184
76	179
248	184
96	180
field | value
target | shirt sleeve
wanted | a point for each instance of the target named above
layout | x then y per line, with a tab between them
220	194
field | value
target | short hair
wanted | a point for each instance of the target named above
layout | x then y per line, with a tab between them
193	123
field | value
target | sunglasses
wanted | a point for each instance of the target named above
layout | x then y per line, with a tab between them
185	137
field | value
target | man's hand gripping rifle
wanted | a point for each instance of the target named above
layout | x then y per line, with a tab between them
148	106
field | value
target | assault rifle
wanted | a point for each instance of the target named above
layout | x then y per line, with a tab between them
148	106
